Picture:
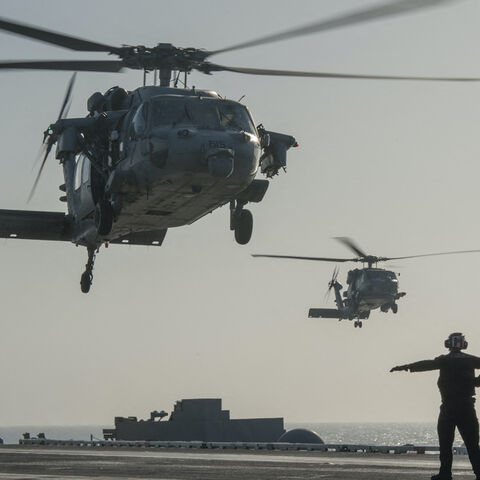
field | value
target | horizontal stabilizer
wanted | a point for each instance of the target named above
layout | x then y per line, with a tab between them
324	313
153	238
34	225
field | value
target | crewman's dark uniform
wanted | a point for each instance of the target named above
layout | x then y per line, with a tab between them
457	388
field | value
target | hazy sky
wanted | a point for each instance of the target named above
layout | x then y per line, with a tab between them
393	165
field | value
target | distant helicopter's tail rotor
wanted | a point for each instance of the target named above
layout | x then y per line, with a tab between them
332	282
49	136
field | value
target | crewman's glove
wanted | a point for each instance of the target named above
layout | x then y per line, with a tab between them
399	368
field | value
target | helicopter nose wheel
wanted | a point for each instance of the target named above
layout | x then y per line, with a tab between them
87	276
394	307
358	323
241	222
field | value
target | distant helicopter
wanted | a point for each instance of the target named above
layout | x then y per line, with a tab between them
158	157
368	287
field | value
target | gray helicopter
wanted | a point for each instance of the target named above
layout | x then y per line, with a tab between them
368	288
143	161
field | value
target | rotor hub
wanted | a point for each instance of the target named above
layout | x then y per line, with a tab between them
164	56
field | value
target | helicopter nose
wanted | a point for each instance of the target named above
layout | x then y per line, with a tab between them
220	162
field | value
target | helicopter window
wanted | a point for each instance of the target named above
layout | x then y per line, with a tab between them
233	115
202	112
380	275
168	111
85	170
139	121
78	172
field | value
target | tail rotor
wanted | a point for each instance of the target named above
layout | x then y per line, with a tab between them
49	136
332	282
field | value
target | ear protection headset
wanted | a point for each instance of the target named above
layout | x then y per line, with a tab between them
456	340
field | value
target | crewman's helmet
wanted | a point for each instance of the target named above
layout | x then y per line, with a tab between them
456	341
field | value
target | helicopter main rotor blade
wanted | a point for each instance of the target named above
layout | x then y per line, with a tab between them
72	65
430	255
316	259
55	38
295	73
349	243
368	14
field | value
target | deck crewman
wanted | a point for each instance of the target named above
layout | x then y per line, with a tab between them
456	383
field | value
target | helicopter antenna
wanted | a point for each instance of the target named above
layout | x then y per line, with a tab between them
177	79
241	98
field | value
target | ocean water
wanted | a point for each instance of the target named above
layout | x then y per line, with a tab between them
357	433
376	433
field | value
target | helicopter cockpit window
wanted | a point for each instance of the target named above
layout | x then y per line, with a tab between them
380	275
168	111
233	115
211	113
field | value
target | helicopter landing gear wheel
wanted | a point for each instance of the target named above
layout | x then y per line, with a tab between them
394	307
103	217
358	323
244	227
241	222
87	276
86	282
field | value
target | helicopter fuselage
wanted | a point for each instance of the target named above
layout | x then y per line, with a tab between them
371	288
170	169
144	161
173	156
368	289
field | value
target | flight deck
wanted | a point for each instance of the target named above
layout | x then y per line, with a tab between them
47	462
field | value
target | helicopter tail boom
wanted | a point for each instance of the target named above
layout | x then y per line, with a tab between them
325	313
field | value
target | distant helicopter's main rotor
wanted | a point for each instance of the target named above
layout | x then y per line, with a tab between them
362	256
166	57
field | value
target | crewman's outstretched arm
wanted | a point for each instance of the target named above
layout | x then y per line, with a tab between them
475	361
421	366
